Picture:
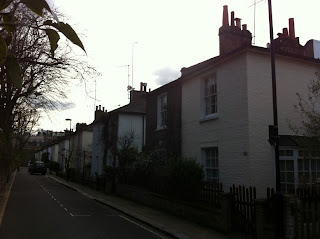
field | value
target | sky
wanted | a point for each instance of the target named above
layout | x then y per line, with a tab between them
156	39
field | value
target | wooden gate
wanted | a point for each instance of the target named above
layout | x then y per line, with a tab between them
244	210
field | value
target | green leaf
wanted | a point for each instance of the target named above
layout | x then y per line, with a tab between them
13	70
53	38
67	30
4	4
37	6
3	50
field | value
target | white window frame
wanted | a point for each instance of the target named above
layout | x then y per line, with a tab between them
162	111
209	97
211	164
306	169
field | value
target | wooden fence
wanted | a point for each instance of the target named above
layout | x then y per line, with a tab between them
307	214
211	193
244	209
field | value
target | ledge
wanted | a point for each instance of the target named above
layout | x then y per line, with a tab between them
208	118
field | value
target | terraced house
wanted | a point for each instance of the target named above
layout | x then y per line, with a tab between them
226	108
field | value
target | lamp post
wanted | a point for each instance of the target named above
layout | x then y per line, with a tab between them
69	153
70	123
275	130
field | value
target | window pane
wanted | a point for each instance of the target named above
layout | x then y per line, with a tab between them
215	173
306	164
313	177
282	165
289	152
290	165
300	164
290	177
283	187
283	177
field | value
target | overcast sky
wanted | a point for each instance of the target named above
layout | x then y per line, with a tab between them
162	37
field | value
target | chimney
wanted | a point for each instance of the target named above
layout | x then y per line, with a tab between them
225	17
238	22
232	37
143	87
291	28
285	32
244	27
232	18
98	113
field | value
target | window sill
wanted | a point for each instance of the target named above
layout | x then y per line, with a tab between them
208	118
161	128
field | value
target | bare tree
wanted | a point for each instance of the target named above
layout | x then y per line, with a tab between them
309	110
33	70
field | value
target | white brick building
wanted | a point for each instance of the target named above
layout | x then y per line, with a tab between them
227	108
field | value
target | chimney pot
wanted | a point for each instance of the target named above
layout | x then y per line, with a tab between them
244	27
225	17
103	109
232	18
96	108
238	22
99	107
285	32
291	28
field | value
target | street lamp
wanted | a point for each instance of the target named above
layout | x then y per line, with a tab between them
70	123
275	130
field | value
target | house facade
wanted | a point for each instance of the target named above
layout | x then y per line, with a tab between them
111	129
164	120
81	146
227	107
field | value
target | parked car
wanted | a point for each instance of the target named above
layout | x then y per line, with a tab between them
37	167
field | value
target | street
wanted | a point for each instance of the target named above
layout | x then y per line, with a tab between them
39	207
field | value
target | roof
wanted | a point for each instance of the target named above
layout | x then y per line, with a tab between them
202	67
298	141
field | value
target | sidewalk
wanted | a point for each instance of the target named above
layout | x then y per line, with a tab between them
166	223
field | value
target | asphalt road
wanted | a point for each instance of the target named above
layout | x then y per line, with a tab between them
39	207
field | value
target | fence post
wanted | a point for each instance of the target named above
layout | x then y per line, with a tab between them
265	229
226	206
289	203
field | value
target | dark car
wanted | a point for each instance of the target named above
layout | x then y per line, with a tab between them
38	167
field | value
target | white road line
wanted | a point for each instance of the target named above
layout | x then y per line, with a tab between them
79	215
62	205
143	227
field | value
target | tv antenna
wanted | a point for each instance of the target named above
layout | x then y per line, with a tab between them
129	87
254	5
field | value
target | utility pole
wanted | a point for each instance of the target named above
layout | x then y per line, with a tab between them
274	128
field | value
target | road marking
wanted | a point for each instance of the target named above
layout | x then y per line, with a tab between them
79	215
62	204
142	227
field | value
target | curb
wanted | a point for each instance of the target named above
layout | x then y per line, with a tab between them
6	194
155	225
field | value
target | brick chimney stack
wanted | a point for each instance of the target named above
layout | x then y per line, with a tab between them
231	36
292	33
98	113
225	16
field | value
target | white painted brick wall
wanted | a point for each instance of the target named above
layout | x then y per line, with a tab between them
245	111
229	132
